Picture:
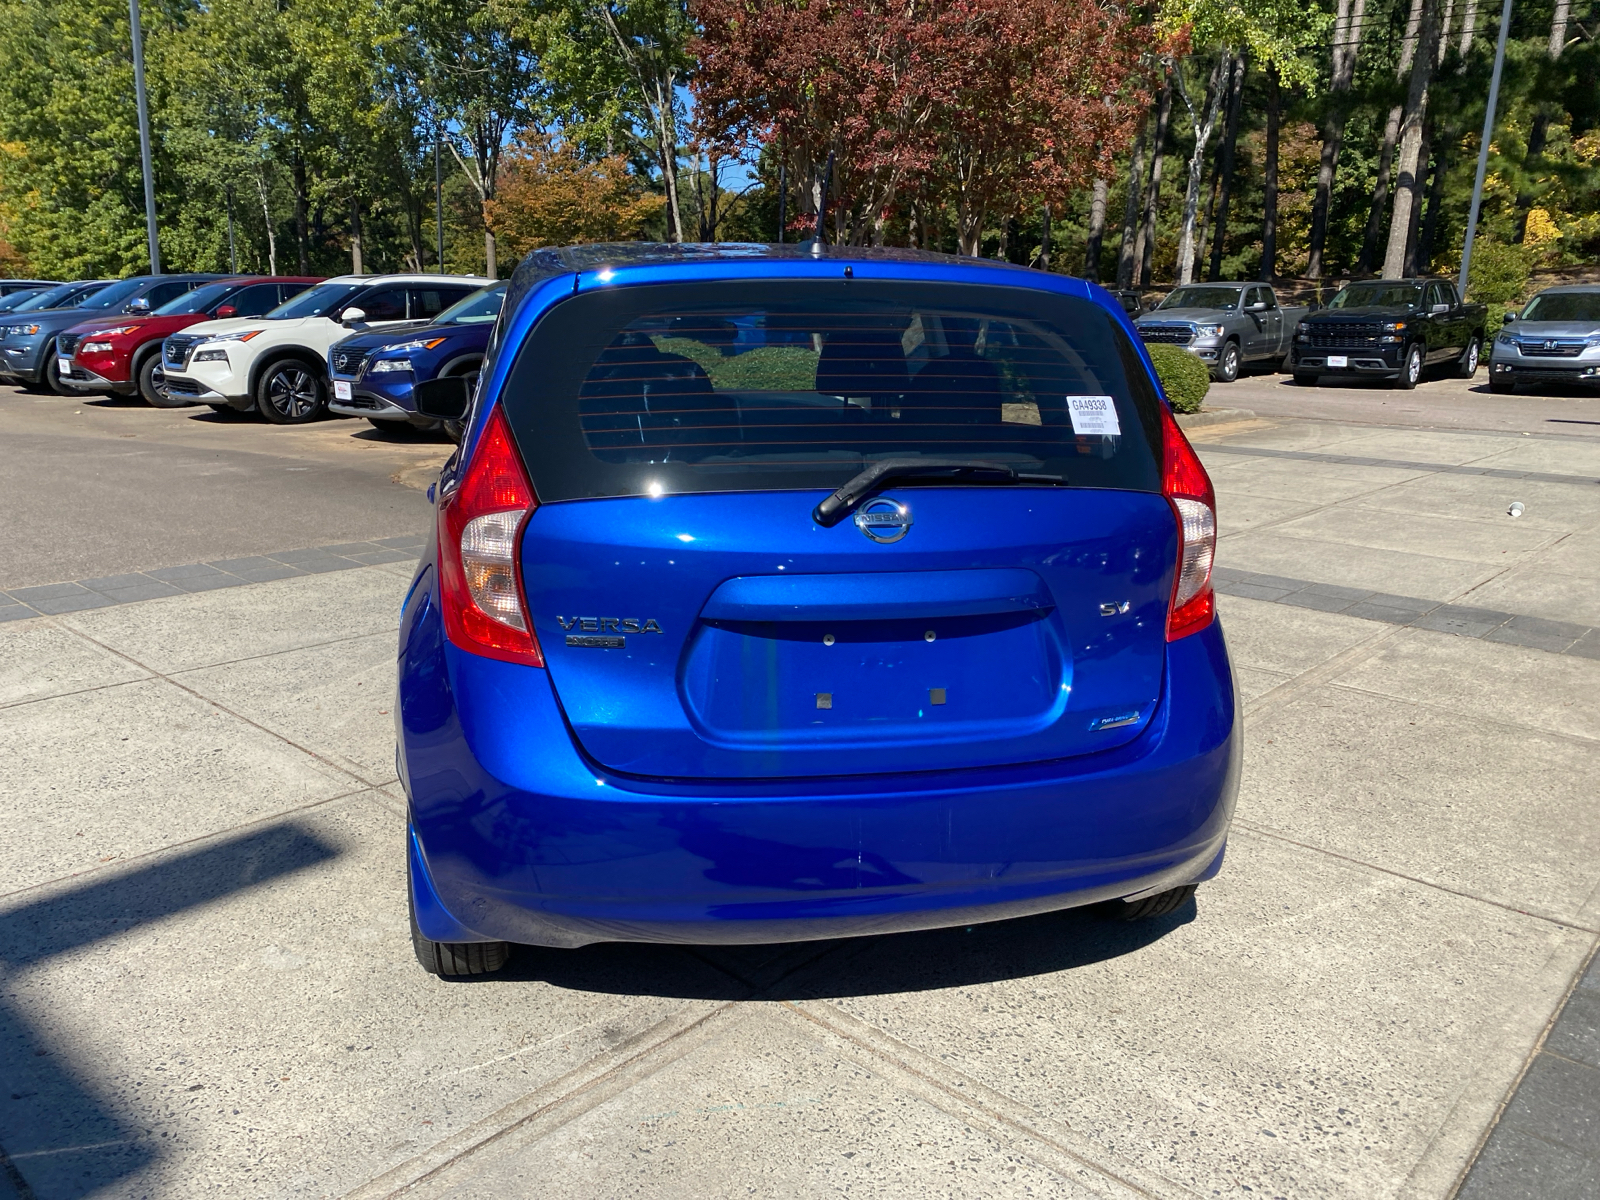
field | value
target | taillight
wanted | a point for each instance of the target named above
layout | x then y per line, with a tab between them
479	523
1194	503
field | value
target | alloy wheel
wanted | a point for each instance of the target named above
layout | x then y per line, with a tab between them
293	393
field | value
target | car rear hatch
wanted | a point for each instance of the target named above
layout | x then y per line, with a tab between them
698	621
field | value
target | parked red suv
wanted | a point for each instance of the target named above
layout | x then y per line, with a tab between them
122	354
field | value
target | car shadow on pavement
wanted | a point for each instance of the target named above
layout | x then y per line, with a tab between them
866	966
59	1129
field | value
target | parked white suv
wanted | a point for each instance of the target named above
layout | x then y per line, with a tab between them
278	363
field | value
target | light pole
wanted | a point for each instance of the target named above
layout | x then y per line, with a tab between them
1483	150
144	136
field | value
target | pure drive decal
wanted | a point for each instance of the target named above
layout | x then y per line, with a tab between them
605	633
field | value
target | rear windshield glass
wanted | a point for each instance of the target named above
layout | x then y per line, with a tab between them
787	385
1564	306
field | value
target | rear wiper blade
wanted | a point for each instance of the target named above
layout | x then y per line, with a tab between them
956	470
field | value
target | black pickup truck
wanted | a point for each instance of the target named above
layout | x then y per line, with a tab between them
1390	329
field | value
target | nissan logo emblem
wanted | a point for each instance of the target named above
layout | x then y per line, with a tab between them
883	519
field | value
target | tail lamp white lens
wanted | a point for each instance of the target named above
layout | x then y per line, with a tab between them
1199	548
488	560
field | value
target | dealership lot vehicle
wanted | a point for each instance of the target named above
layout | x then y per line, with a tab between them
30	350
276	364
1224	325
1390	329
123	357
778	597
1554	340
374	373
10	287
19	296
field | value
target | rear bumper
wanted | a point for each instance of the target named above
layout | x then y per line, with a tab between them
517	837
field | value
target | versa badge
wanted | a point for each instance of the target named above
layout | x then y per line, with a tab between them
605	633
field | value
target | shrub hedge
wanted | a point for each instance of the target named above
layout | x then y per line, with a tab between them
1183	376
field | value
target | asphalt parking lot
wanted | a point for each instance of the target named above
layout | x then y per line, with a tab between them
208	986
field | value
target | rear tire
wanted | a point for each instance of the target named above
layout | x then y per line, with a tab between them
1467	365
1305	379
1158	905
291	392
1228	363
451	959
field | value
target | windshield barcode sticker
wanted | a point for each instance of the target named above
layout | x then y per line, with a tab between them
1093	415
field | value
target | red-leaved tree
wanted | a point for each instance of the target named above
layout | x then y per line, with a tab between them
987	106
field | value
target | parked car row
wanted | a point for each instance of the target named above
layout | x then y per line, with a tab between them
274	345
1387	329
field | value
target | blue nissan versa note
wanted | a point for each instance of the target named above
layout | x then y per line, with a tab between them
781	593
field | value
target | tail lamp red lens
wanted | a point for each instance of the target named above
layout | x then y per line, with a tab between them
480	524
1194	504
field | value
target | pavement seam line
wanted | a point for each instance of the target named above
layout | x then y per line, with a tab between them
1001	1110
1265	831
580	1090
1436	1172
1577	739
223	708
1276	699
100	868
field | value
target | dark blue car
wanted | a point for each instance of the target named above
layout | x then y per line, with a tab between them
779	594
373	373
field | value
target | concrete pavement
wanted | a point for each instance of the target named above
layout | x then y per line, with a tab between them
97	486
208	986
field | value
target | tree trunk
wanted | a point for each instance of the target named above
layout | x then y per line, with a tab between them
1130	214
1202	228
1152	197
491	263
1430	224
1346	40
1391	133
1269	219
1408	184
1230	139
266	216
1097	231
1558	28
1220	75
1539	131
1469	26
1044	240
1414	232
357	267
301	203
